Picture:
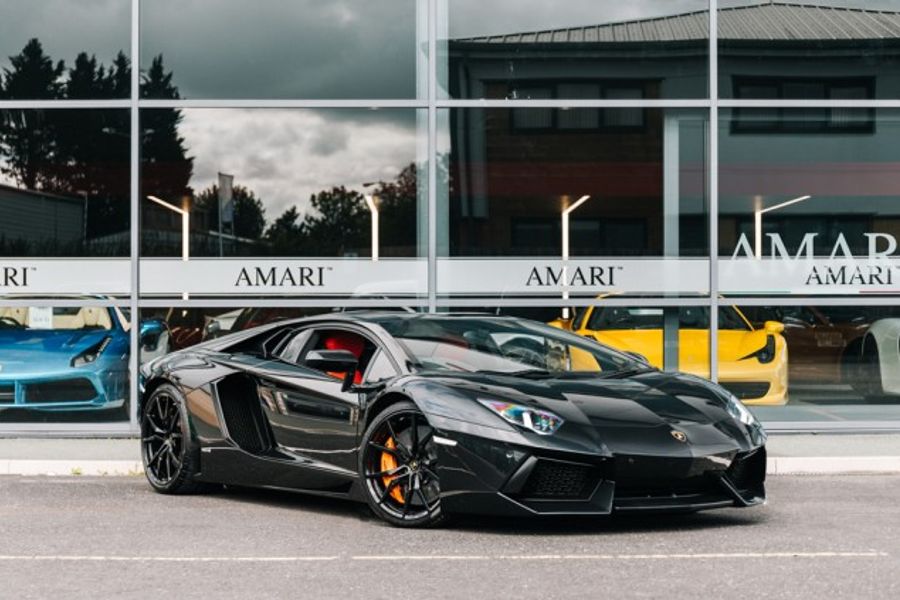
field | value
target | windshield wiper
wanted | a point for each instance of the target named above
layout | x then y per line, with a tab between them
524	373
628	372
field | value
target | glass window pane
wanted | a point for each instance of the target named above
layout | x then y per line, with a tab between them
489	49
63	49
347	185
65	193
629	188
835	369
64	364
286	48
808	210
801	49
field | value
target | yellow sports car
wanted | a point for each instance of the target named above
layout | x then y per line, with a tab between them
752	362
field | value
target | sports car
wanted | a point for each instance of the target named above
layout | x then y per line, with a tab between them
879	360
69	359
426	415
753	363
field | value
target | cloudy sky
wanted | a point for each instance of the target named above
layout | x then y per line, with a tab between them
285	155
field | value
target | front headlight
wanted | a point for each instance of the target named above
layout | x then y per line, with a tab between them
539	421
766	354
91	354
740	412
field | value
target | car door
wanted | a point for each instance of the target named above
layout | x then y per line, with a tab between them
310	413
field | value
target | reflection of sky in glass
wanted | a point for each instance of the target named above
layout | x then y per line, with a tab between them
65	28
286	155
284	48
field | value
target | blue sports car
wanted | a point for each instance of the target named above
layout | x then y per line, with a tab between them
69	359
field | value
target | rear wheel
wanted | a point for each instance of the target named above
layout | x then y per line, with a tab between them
398	467
169	457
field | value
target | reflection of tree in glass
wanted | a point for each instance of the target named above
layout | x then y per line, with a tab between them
84	153
339	222
249	212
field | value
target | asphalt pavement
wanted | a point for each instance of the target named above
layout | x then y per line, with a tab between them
103	537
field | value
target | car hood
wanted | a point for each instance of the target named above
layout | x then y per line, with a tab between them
35	350
633	415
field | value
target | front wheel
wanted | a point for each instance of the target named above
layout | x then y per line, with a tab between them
398	468
167	452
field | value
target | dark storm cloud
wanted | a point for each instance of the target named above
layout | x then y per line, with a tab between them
285	48
285	155
66	27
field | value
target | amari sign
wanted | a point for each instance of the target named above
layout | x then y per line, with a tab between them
54	276
777	269
284	277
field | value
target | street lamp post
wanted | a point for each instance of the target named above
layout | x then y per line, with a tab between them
757	222
373	209
185	229
565	248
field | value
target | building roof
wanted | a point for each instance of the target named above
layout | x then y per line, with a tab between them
769	21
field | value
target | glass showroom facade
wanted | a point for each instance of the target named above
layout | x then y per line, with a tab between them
713	185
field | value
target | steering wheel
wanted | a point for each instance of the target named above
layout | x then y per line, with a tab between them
10	323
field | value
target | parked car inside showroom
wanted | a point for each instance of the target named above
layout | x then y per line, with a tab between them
425	415
753	362
879	367
825	342
56	358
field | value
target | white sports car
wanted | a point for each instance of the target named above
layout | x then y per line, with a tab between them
879	373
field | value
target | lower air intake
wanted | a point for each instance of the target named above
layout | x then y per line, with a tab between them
555	480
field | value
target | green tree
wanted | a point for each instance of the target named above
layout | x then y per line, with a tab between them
166	168
285	235
249	212
28	138
338	224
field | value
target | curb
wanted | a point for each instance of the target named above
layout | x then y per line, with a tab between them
71	467
833	465
793	465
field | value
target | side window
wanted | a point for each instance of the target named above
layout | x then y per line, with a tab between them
382	368
293	348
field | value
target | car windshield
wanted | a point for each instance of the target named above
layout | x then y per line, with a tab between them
503	345
55	318
689	317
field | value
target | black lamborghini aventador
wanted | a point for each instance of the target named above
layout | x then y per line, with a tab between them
426	415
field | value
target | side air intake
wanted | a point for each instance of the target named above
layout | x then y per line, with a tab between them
244	419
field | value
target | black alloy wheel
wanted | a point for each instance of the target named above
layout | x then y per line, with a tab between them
166	449
398	464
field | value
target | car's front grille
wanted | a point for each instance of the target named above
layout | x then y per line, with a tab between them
746	390
557	480
7	392
77	389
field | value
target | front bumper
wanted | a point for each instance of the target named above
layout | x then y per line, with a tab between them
494	477
69	390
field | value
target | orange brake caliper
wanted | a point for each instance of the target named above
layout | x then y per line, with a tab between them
389	463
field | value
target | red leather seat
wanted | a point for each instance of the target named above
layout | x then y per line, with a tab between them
351	342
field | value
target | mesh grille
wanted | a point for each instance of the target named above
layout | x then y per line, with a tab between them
559	480
65	390
745	390
243	417
7	392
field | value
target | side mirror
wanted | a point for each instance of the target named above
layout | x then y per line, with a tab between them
639	356
151	332
773	327
337	361
212	328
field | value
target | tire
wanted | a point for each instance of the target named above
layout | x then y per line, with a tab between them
169	455
397	468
